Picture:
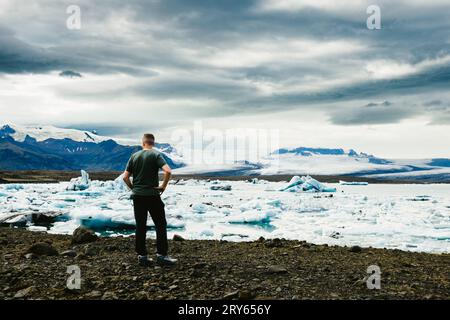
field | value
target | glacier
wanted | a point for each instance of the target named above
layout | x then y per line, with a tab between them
412	217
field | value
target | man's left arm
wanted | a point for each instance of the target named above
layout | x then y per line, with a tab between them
126	179
127	173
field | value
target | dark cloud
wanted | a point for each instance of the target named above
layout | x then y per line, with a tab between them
170	46
433	103
383	104
70	74
436	107
373	113
17	56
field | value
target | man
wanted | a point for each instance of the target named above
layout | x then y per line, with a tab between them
144	166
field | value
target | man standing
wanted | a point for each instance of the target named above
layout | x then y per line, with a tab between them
144	166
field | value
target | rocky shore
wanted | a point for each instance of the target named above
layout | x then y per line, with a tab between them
34	266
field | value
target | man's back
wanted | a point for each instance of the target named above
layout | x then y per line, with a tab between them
145	165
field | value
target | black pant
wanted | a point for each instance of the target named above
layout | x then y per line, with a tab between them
154	205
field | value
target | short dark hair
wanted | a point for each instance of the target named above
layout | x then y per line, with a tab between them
149	139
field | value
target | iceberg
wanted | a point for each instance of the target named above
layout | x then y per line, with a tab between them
306	184
14	187
14	219
226	187
199	208
80	183
251	217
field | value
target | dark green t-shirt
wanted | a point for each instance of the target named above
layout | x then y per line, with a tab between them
144	165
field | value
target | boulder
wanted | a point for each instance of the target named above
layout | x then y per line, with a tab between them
177	237
83	235
42	249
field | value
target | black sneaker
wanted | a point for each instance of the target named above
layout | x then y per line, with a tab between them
144	261
165	260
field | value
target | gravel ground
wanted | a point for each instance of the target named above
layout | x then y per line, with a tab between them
264	269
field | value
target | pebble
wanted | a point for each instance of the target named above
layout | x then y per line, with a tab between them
24	292
246	295
108	295
90	251
94	294
231	295
30	256
276	269
69	253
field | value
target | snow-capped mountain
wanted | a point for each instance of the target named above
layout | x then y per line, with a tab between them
325	161
42	133
52	148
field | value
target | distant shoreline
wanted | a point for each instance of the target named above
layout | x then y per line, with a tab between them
55	176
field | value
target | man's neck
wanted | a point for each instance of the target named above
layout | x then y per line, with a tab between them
147	147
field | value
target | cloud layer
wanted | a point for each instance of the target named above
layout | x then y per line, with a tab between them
163	64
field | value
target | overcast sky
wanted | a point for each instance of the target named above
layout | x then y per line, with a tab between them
310	69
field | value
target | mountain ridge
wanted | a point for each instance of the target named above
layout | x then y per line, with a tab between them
89	152
52	148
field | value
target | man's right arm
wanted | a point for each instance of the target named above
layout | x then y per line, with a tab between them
167	174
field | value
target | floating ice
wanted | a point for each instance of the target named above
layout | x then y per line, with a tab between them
14	219
15	187
378	215
252	216
199	208
80	183
226	187
37	228
306	184
353	183
257	181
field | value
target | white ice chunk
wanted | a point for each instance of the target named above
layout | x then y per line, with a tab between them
353	183
306	184
199	208
80	183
